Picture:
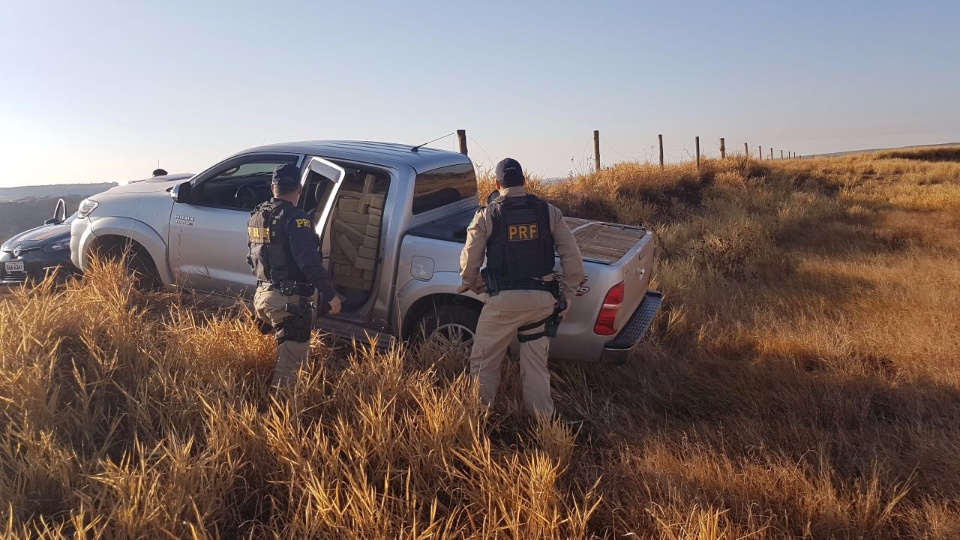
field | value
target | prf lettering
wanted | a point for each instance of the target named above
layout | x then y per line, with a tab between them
303	223
522	232
259	235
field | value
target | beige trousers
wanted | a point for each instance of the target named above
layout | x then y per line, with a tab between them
270	306
502	315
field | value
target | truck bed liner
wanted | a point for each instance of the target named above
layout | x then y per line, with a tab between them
604	242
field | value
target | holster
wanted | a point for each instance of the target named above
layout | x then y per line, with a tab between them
263	326
551	325
489	282
297	327
301	309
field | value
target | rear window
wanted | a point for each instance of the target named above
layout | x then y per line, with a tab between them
444	186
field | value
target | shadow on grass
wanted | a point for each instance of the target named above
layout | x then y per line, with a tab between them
704	380
793	409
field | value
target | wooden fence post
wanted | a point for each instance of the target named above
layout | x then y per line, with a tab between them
760	153
771	152
660	138
462	137
723	148
781	154
698	151
746	150
596	148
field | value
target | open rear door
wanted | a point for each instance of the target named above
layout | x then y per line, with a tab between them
330	179
324	179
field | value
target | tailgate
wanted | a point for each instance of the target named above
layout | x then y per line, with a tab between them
628	253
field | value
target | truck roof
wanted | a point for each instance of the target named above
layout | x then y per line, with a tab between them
378	153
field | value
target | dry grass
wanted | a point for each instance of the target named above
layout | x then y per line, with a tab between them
132	416
802	381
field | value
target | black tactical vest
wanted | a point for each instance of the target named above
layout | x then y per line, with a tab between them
521	244
269	254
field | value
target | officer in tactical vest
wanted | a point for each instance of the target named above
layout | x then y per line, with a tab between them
518	234
284	252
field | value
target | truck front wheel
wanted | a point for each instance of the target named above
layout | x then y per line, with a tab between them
135	259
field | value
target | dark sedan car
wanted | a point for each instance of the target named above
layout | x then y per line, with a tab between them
30	255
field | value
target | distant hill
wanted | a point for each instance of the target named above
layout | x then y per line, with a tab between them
871	150
23	214
55	190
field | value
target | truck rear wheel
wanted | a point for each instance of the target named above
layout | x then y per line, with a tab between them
450	324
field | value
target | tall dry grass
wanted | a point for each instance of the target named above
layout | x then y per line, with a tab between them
802	381
135	416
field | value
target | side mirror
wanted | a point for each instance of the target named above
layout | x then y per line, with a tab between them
59	214
181	192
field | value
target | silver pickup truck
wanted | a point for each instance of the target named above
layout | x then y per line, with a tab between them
392	220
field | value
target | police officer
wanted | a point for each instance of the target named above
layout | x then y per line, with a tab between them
518	234
284	253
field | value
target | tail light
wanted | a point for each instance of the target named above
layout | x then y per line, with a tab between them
608	311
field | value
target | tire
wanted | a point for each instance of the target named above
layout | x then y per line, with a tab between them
137	263
449	324
140	265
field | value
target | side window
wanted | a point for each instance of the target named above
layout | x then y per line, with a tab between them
240	184
444	186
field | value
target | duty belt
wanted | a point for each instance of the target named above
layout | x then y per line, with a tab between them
290	288
493	286
527	284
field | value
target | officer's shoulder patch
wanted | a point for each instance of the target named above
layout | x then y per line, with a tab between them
476	216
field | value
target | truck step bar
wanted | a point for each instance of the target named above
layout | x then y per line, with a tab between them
352	332
615	352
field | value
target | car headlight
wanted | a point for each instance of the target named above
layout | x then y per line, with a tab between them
86	207
58	246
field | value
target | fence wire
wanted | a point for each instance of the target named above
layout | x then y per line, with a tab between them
612	153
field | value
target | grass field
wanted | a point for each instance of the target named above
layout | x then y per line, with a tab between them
801	381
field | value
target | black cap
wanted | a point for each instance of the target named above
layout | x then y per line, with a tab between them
509	173
286	175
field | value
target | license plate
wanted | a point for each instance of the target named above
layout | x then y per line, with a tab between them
13	266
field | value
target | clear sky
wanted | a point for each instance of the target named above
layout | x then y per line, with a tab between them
98	91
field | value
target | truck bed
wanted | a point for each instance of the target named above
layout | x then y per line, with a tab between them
604	242
599	242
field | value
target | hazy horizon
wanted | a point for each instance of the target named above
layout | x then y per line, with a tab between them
100	91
